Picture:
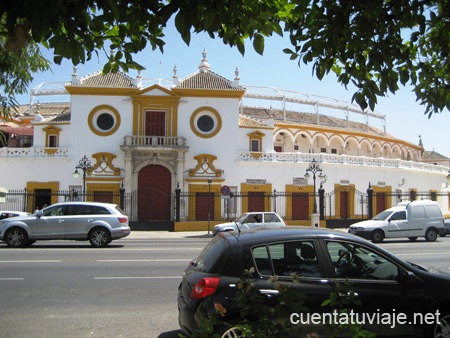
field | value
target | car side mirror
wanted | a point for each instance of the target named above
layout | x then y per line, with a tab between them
408	277
39	213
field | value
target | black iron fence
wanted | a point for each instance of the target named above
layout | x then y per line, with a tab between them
186	206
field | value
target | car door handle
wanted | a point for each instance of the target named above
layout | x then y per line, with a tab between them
90	220
355	294
269	292
60	220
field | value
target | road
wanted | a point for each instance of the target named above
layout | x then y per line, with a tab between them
68	289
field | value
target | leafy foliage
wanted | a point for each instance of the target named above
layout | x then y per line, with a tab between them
19	59
375	45
259	319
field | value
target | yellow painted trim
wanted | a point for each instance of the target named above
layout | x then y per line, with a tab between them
351	203
259	127
256	155
109	157
256	135
307	128
77	90
410	191
204	188
49	131
204	180
51	151
238	94
139	95
199	111
195	225
33	186
200	169
92	123
91	188
168	103
290	189
387	190
265	188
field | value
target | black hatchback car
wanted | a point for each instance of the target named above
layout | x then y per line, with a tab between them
400	298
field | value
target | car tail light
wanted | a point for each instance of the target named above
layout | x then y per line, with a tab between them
205	287
122	219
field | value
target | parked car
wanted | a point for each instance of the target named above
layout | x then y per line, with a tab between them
382	282
447	227
7	214
407	220
99	223
251	220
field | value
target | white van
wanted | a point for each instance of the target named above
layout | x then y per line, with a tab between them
406	220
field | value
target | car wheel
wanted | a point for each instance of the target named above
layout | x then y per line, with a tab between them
377	236
16	238
99	237
431	235
441	328
233	332
412	238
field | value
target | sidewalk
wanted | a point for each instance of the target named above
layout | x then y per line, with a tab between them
168	234
136	234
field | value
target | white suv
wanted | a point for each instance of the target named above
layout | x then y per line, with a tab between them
100	223
251	220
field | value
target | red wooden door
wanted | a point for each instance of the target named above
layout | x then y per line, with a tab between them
344	204
104	196
154	197
300	206
255	201
381	202
155	123
204	206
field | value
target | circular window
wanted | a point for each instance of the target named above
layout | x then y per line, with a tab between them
104	120
206	122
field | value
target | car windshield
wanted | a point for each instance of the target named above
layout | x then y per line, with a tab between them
382	215
245	218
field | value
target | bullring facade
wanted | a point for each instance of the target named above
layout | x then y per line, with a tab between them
205	148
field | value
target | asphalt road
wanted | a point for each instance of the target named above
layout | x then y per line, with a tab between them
68	289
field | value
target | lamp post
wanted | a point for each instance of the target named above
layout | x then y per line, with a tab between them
84	164
313	168
209	203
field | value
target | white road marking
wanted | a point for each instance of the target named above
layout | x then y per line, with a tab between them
423	253
34	261
5	279
144	260
148	277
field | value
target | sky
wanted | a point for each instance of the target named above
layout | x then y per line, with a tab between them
405	117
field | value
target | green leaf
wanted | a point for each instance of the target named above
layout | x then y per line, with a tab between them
258	44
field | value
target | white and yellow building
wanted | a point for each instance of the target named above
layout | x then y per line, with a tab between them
205	134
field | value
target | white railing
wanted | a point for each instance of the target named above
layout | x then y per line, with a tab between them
154	141
339	159
34	152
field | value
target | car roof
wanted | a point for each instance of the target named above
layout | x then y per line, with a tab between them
13	212
258	212
260	234
84	203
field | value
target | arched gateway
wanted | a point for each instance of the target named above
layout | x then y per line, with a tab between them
154	195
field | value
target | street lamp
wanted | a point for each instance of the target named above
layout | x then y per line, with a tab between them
313	168
209	203
84	164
